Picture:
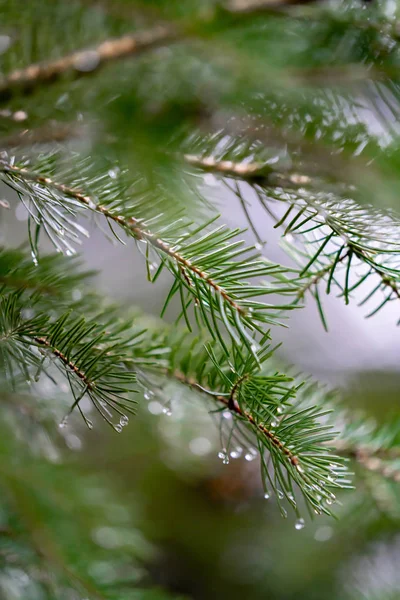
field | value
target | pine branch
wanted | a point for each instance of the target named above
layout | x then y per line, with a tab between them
232	405
346	248
251	389
130	224
210	269
375	460
272	408
261	6
355	227
88	61
91	359
376	465
84	62
252	172
100	356
376	449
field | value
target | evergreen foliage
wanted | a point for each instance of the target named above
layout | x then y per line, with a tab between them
119	125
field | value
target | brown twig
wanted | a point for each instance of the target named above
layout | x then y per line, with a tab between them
232	402
42	341
255	6
372	459
85	62
234	407
255	172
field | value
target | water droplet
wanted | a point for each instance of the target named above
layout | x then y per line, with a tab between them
222	453
113	173
249	456
267	496
280	494
148	395
258	246
76	295
118	428
167	411
20	115
280	409
227	415
274	423
63	423
87	61
226	460
124	420
89	424
153	267
299	524
237	452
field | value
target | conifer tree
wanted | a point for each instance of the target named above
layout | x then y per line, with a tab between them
131	120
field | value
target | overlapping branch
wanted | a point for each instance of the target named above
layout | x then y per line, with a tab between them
100	357
210	265
332	230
